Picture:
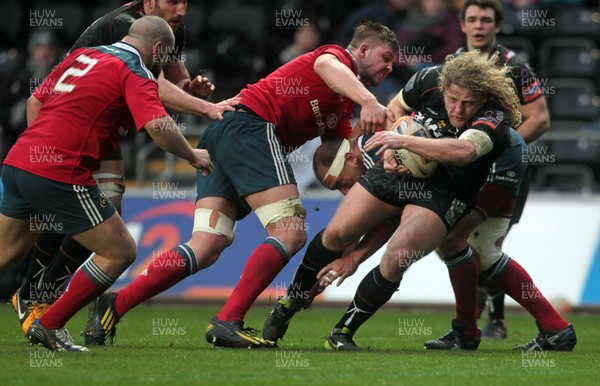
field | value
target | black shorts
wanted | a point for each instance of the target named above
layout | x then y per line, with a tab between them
400	191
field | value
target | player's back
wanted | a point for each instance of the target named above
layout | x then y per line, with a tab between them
111	27
86	109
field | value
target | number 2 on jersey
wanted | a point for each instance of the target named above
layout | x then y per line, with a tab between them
61	86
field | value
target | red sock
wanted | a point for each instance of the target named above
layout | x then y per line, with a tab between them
87	283
165	271
462	269
516	283
262	267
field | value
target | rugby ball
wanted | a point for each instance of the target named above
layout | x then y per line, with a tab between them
420	167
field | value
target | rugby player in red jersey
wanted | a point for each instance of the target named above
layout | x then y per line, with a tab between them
248	148
76	117
55	257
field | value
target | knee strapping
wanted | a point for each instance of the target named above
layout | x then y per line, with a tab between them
486	240
215	222
288	207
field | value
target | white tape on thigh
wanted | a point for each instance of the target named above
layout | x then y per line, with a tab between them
289	207
112	189
213	221
109	188
485	237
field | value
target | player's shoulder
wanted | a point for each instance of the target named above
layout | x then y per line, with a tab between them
333	49
425	78
129	57
489	116
510	57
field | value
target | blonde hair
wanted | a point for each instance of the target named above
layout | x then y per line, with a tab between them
479	73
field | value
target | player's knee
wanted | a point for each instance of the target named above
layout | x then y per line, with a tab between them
295	241
336	238
286	211
284	219
489	253
213	222
451	245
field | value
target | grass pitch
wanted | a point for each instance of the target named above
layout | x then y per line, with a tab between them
165	345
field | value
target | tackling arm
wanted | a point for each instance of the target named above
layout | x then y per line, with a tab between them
342	80
462	151
168	137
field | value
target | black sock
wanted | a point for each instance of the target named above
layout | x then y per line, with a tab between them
42	254
372	293
316	257
68	258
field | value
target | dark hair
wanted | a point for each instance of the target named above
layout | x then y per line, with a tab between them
371	31
495	5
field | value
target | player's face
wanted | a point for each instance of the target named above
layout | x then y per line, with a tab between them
461	104
374	63
172	11
480	27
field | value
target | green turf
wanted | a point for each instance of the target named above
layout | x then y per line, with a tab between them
165	345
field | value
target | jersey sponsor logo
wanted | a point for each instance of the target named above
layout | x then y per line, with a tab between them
331	120
457	208
103	200
318	116
487	120
436	125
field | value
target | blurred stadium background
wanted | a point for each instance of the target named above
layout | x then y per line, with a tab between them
237	42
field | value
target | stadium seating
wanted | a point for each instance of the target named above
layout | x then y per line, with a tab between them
569	57
571	98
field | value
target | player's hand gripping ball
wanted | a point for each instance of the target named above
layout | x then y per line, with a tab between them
420	167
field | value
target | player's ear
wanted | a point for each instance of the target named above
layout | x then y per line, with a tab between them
156	48
350	157
362	50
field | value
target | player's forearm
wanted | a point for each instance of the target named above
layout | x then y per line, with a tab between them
371	243
34	106
342	80
396	106
167	136
172	97
443	150
536	120
533	127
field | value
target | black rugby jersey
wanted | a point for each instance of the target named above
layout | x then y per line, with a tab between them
115	25
423	96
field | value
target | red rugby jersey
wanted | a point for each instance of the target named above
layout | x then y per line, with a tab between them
90	101
299	103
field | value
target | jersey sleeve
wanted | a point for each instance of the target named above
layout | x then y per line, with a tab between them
141	96
488	121
527	84
341	54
